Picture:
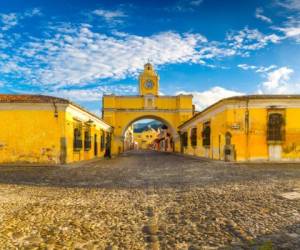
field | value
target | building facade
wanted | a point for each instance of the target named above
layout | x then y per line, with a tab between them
246	128
164	141
145	139
44	129
122	111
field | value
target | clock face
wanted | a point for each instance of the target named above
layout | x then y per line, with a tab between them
148	84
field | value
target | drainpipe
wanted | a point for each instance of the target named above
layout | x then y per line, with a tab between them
247	127
55	110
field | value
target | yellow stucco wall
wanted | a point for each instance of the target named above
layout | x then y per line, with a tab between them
250	142
32	133
30	136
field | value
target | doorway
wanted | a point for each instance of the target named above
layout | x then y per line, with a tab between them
95	146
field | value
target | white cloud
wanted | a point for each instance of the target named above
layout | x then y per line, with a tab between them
210	96
291	31
258	69
290	4
33	12
196	2
278	82
8	20
95	93
259	15
291	27
185	6
246	66
110	16
12	19
250	39
77	56
85	56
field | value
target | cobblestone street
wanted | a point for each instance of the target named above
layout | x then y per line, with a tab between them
150	200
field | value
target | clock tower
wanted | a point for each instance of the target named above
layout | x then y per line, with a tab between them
148	81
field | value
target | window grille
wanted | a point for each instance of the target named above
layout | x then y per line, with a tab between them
87	140
184	139
193	137
275	127
206	134
77	140
102	141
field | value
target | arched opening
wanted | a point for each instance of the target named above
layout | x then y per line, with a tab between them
149	133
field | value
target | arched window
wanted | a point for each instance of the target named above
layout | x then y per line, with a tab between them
275	127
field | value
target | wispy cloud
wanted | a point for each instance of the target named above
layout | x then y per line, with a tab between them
85	56
77	55
10	20
110	16
259	15
291	27
247	40
258	69
185	6
90	94
289	4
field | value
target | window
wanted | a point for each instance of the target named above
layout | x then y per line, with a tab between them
275	127
102	141
77	138
87	139
206	134
149	103
228	138
193	137
184	139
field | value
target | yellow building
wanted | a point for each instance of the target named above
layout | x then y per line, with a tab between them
44	129
246	128
129	139
122	111
145	138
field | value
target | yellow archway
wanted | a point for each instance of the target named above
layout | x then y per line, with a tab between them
121	111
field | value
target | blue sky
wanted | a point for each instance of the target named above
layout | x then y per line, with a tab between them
210	48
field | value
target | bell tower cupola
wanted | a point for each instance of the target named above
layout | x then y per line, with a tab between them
148	81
